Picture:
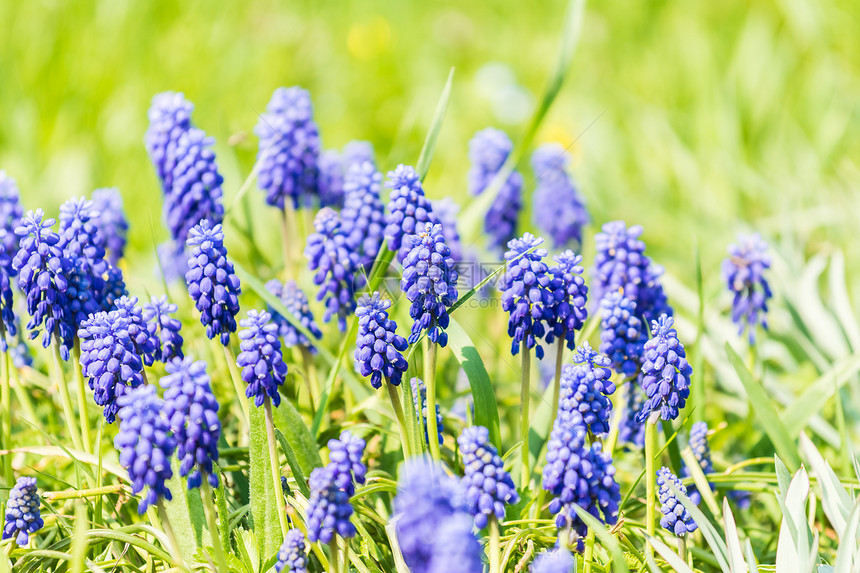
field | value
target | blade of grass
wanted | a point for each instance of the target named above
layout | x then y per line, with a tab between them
435	127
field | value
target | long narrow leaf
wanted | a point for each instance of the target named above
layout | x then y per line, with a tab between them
715	541
609	541
733	541
670	556
435	127
847	556
836	502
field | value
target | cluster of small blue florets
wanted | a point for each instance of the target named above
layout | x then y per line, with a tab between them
629	430
409	210
114	288
295	301
169	117
111	221
192	412
261	361
334	165
212	283
488	486
445	210
488	151
145	342
289	148
145	445
622	337
329	508
744	272
419	401
665	372
344	456
698	443
335	265
292	556
363	214
83	243
569	296
526	295
379	348
163	329
10	214
558	207
430	284
585	387
675	518
22	511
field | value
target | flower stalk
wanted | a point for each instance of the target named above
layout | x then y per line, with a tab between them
525	395
430	381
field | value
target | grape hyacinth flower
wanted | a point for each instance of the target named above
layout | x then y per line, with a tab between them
456	548
109	359
43	278
409	210
11	213
212	283
419	401
428	501
665	372
744	271
558	207
114	288
80	294
261	361
195	193
329	508
22	511
379	348
446	210
556	561
488	486
526	295
82	243
145	445
698	443
629	430
192	412
569	295
675	518
163	328
292	556
363	215
578	475
169	117
488	151
111	221
145	343
289	148
335	264
345	455
621	263
8	322
585	386
332	167
430	283
622	336
295	301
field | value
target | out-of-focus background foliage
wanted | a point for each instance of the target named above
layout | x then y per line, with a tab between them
695	119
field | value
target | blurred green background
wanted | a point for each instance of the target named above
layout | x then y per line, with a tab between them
695	119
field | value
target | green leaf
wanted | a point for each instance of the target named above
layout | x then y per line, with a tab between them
817	394
608	540
847	553
301	441
701	482
264	510
844	311
435	127
483	394
797	547
783	477
186	515
836	502
750	557
294	464
715	541
733	542
765	412
670	556
332	375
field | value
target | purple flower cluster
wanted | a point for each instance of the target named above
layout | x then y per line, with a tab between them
432	522
292	556
295	301
289	148
675	518
329	508
10	214
163	329
419	401
585	387
212	284
488	486
169	118
363	215
192	412
409	210
111	222
665	372
344	456
22	511
744	272
261	361
379	348
569	296
145	445
698	443
114	288
526	294
430	283
558	207
488	151
332	167
335	264
629	430
622	336
445	210
145	343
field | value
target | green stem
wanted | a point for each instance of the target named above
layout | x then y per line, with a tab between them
589	551
172	544
65	396
84	493
495	546
238	384
650	477
209	507
556	389
311	377
276	466
333	561
525	394
221	503
7	414
398	415
430	381
285	240
564	538
82	397
682	547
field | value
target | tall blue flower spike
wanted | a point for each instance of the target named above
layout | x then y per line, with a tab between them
698	443
379	349
292	556
261	361
145	343
622	335
163	329
675	518
665	372
409	210
295	301
744	272
526	293
169	118
329	508
192	412
111	222
419	400
333	165
569	296
429	283
335	266
559	210
22	511
212	283
10	214
145	445
363	214
488	151
446	210
345	455
488	486
289	148
585	387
